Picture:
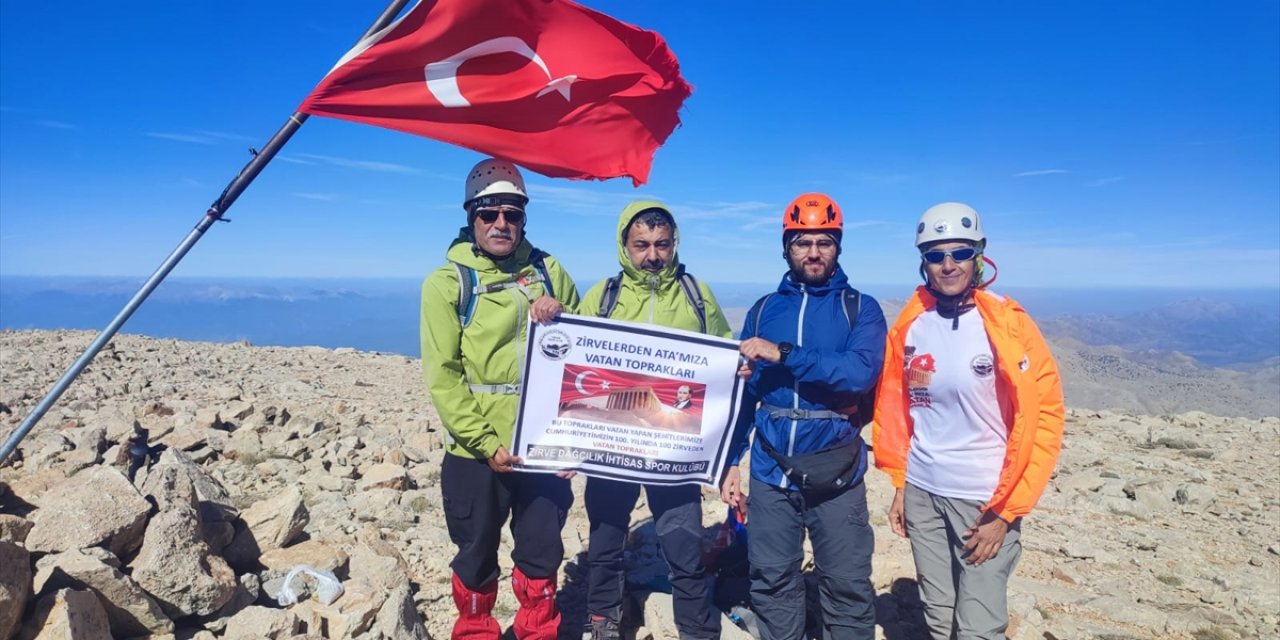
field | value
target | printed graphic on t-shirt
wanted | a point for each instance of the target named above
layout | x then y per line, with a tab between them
982	366
920	370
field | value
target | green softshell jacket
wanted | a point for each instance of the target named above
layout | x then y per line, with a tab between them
656	298
490	350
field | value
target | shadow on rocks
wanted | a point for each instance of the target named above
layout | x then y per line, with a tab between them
572	599
900	613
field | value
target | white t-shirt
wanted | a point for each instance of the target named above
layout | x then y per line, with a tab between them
959	438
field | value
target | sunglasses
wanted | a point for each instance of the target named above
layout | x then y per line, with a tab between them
961	254
512	214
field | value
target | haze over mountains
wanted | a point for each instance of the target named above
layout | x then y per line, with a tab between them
1150	351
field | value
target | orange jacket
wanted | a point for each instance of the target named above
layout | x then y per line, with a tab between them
1026	370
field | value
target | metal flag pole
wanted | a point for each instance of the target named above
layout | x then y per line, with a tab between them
215	213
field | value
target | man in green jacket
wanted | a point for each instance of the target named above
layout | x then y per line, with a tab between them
653	287
475	312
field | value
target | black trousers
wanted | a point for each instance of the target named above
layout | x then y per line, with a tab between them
677	516
477	502
842	540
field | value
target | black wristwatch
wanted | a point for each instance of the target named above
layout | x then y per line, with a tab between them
784	350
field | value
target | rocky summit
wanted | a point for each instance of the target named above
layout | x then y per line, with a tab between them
176	485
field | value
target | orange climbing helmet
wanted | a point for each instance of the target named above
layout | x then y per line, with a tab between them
812	212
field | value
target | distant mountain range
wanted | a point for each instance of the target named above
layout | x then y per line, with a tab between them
1216	351
1213	332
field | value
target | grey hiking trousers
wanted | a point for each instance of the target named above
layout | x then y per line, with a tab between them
958	597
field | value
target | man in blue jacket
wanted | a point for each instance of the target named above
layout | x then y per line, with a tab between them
813	349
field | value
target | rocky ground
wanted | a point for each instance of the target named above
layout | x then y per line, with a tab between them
1155	526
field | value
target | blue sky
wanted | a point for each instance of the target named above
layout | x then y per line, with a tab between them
1104	143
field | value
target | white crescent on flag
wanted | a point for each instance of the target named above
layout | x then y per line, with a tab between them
577	382
442	76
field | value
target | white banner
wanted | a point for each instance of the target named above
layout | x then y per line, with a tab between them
627	401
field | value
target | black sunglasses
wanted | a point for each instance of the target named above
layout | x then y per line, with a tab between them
960	254
512	214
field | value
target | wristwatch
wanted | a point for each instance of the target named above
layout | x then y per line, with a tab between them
784	350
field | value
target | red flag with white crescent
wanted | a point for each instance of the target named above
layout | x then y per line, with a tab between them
583	381
548	84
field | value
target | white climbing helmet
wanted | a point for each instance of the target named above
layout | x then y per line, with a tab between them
950	221
493	177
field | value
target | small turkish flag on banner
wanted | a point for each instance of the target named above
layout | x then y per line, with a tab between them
548	84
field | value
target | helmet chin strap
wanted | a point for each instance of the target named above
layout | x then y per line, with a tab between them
952	306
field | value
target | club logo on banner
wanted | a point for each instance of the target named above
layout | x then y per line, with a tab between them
554	344
627	401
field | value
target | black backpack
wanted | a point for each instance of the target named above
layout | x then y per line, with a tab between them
852	299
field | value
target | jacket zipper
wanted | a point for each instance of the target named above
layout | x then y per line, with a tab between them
795	389
653	293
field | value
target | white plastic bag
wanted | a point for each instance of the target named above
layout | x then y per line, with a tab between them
328	588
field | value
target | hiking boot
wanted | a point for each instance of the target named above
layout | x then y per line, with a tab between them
603	628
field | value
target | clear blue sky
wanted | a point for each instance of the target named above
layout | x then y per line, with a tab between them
1116	143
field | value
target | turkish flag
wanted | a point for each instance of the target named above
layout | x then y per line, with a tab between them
583	381
549	84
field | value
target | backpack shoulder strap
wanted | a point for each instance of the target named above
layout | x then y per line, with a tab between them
852	299
609	297
467	283
866	406
694	293
756	310
538	257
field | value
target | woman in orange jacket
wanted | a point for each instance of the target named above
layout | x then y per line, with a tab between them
968	425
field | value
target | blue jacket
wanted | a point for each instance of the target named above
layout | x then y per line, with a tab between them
828	369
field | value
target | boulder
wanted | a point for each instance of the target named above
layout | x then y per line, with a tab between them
353	613
255	623
268	524
98	506
14	528
29	489
68	615
89	443
130	611
385	476
399	618
15	586
214	501
169	488
177	567
313	553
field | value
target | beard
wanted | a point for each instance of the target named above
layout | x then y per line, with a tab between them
804	271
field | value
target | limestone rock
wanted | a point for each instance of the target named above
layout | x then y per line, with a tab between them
215	502
69	615
130	611
353	613
31	488
15	586
398	618
313	553
14	528
98	506
169	488
268	524
248	588
177	567
255	623
385	476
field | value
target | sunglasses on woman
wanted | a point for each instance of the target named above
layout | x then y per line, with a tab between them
960	254
512	214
